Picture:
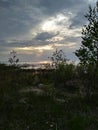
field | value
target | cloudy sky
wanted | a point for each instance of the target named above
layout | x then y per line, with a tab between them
35	28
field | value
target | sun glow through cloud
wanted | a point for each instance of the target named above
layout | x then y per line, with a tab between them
38	48
49	26
52	23
69	45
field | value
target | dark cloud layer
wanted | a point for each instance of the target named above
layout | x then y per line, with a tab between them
54	6
45	36
18	16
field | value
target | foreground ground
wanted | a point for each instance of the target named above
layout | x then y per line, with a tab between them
23	107
31	111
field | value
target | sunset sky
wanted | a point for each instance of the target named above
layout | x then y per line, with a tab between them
35	28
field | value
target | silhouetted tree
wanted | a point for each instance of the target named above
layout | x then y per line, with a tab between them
58	58
13	60
88	52
59	62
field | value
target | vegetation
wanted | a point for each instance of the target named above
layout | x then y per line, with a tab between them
13	60
53	108
62	96
88	52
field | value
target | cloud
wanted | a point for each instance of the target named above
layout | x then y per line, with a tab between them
45	36
39	23
54	6
79	19
17	17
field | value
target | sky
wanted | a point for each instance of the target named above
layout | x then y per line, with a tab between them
36	28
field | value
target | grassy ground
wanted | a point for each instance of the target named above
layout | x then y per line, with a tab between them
28	111
51	110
